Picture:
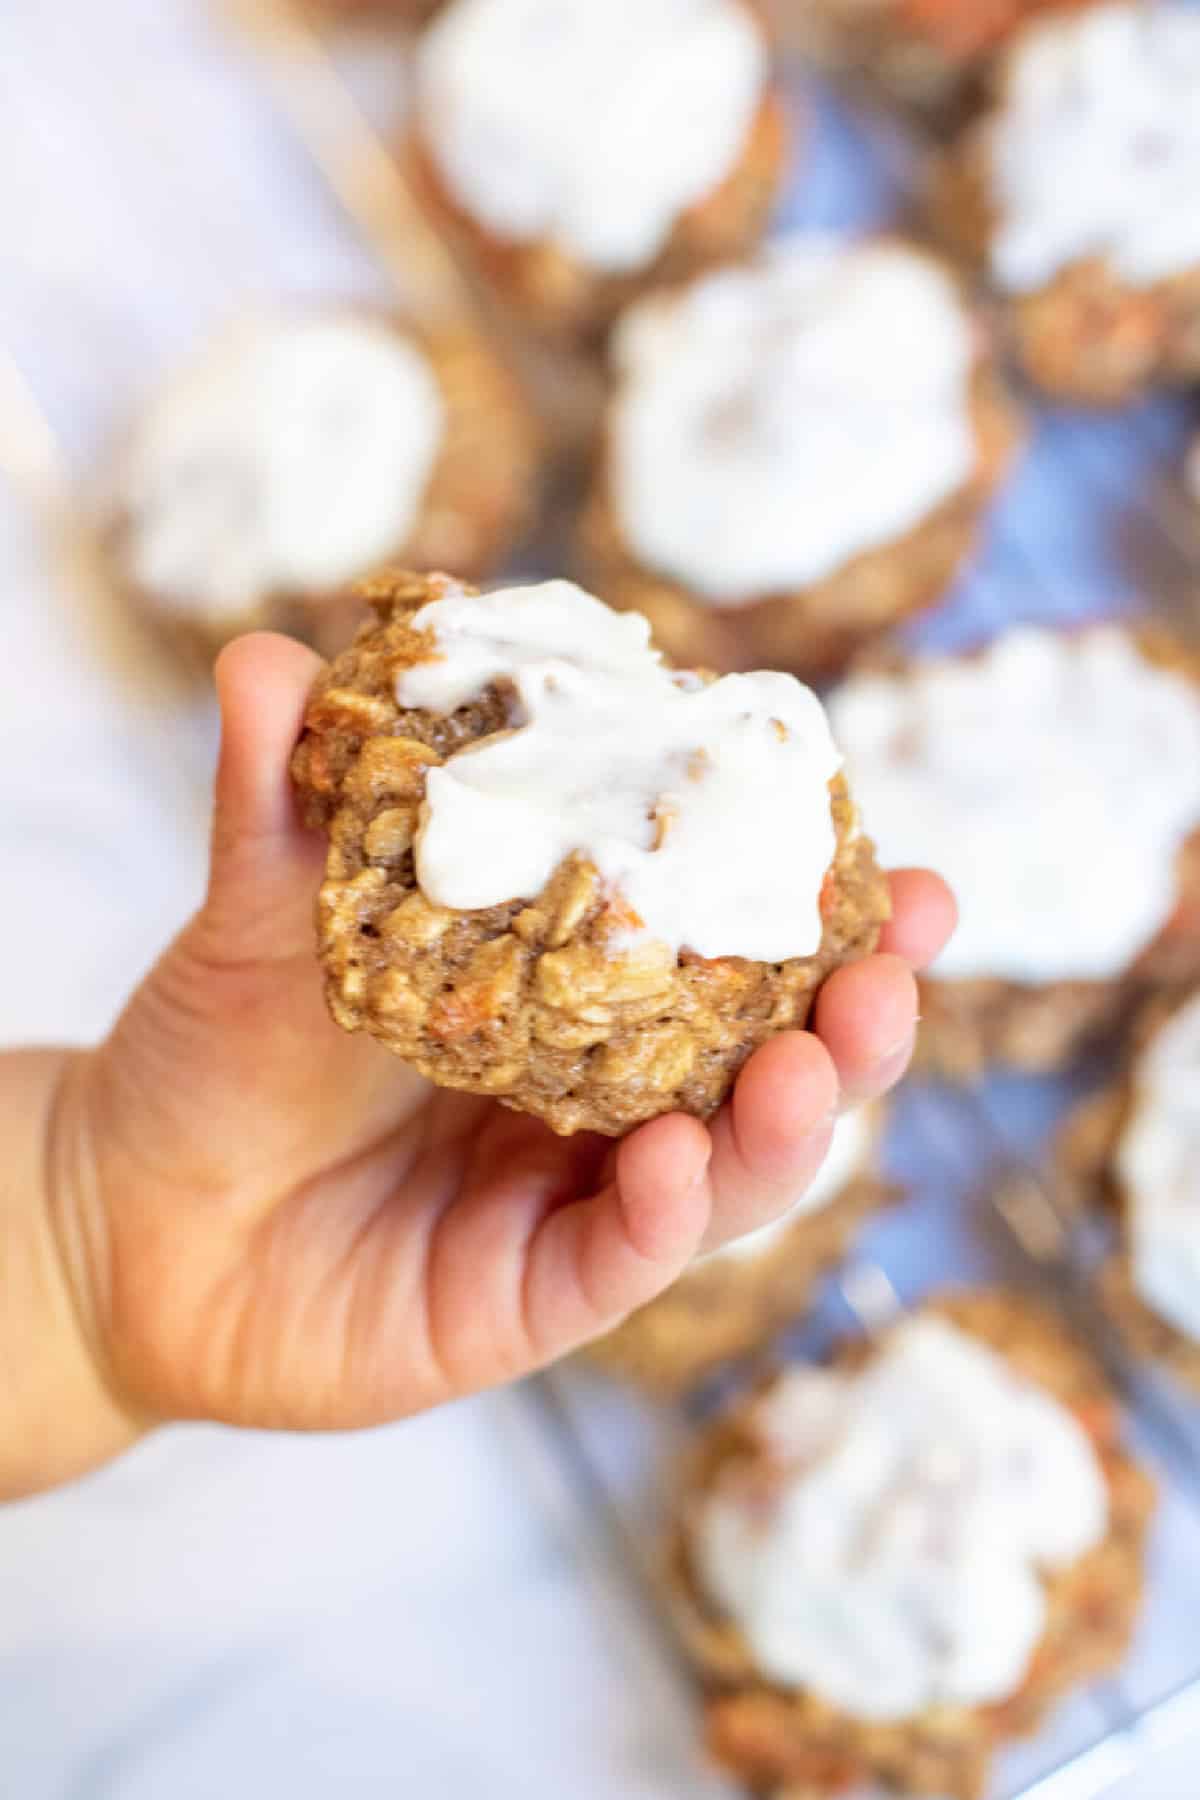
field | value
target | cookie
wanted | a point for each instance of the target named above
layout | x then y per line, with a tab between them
799	454
1135	1148
886	1567
1053	778
1074	194
563	873
297	454
581	151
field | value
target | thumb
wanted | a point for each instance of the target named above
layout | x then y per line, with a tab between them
219	1005
264	864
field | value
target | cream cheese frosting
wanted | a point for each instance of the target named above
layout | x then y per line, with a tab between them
772	422
1095	151
890	1558
593	124
706	807
291	458
1052	780
1158	1165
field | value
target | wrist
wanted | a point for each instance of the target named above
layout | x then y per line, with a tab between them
64	1413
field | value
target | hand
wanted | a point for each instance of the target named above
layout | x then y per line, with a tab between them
266	1221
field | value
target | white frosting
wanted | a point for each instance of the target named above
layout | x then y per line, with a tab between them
846	1158
292	457
1096	151
592	123
1051	780
774	421
706	807
896	1562
1158	1163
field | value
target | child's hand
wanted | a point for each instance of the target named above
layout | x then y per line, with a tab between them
268	1222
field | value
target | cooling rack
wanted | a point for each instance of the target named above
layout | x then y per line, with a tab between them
1095	522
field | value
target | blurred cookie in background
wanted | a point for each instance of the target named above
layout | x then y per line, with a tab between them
886	1567
1135	1147
1076	194
932	55
798	453
300	451
736	1299
579	151
1054	780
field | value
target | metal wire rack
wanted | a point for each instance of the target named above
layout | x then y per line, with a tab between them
1095	520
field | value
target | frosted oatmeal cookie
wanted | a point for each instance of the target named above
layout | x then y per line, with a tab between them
1077	194
301	451
562	873
735	1299
798	453
932	55
1136	1148
886	1567
580	151
1054	778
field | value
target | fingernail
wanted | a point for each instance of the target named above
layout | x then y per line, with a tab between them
824	1126
894	1062
701	1175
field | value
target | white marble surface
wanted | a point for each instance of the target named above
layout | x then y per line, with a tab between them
438	1610
417	1611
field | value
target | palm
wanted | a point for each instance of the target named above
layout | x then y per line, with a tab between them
327	1257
